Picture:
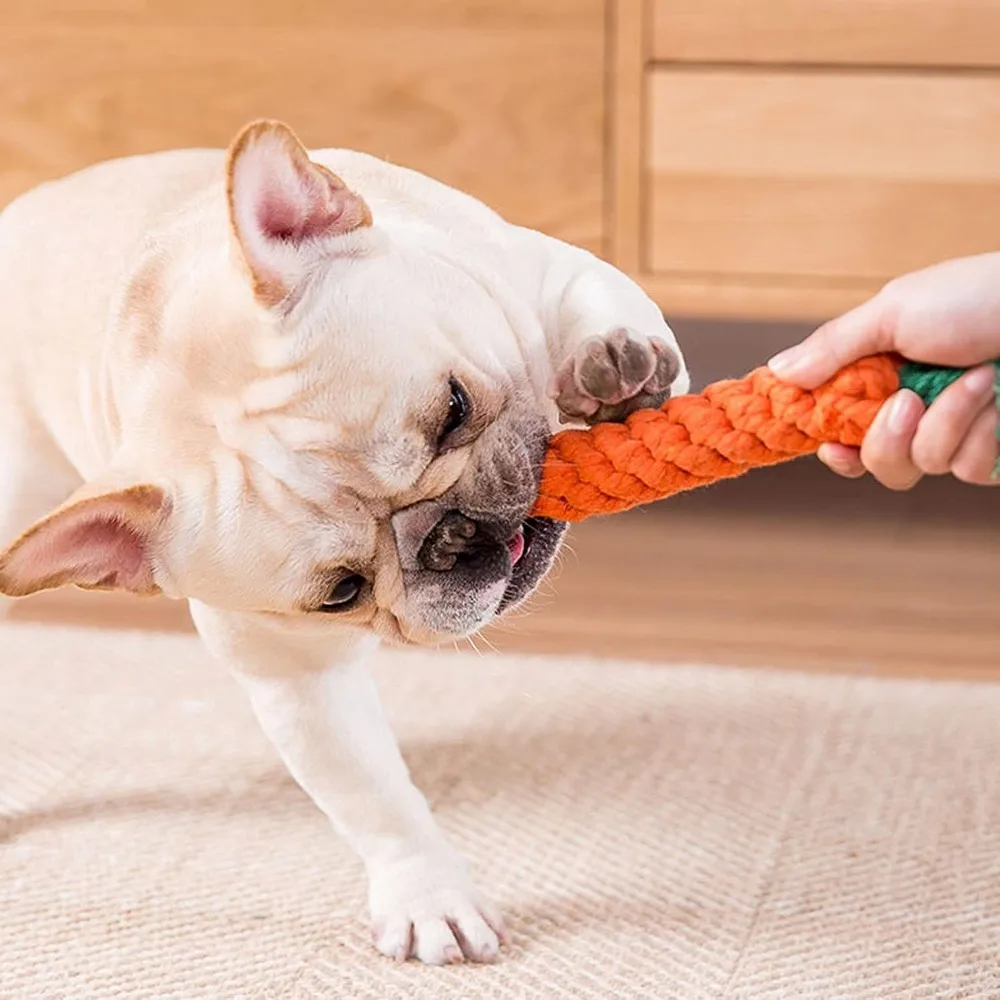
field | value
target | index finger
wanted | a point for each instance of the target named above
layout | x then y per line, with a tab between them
866	329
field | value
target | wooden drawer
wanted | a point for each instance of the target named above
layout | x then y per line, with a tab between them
784	158
848	177
876	32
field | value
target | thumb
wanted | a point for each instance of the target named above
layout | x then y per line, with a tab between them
867	329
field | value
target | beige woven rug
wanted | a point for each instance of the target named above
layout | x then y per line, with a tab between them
651	831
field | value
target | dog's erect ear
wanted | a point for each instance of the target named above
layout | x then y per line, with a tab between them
285	210
102	541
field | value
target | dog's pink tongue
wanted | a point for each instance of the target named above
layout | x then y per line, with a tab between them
516	546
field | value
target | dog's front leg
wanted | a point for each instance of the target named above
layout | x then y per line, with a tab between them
320	708
610	349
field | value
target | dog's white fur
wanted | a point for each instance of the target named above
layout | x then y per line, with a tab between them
222	375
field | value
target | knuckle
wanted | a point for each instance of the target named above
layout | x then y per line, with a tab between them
940	437
973	471
931	460
890	463
889	289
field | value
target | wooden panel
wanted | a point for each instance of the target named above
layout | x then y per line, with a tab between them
375	13
503	99
627	79
848	176
887	32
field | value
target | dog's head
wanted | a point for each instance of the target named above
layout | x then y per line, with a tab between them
319	418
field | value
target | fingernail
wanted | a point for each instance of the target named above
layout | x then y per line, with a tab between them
785	363
979	381
904	410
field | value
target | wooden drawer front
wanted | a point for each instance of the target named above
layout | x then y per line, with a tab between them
896	32
828	175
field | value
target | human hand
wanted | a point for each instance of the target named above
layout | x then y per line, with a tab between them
948	314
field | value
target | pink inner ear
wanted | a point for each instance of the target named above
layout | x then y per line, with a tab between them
287	211
103	541
294	213
107	553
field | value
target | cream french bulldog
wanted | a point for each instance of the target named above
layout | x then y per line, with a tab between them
309	394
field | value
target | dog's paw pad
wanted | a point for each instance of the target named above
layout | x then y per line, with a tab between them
611	376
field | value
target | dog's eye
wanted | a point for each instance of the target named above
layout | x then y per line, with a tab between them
344	595
458	410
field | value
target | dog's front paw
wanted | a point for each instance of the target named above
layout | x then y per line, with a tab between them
611	376
426	907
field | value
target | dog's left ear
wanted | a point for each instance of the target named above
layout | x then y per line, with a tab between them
97	541
286	211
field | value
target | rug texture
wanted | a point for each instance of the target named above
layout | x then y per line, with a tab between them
650	831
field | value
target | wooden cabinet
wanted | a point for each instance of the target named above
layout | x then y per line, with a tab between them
748	158
503	98
787	157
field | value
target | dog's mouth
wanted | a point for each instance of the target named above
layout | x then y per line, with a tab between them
518	545
531	548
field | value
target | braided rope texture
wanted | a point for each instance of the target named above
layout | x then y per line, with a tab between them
726	430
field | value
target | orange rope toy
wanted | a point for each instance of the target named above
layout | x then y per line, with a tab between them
726	430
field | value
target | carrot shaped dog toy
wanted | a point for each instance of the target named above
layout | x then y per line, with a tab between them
729	428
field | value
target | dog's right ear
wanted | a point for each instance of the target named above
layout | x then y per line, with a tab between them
97	540
286	212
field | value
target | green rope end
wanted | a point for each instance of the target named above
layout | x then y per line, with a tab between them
929	381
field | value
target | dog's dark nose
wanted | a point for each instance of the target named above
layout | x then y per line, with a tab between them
456	540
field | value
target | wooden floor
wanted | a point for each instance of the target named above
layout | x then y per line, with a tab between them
790	567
